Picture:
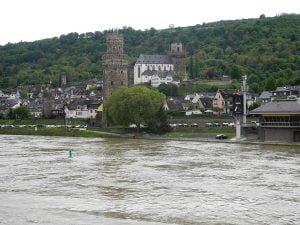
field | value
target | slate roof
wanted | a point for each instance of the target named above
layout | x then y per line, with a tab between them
161	73
265	95
5	104
228	92
91	104
176	103
154	59
279	107
288	88
207	102
35	106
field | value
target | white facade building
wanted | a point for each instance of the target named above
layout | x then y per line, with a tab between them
157	80
158	69
82	109
150	65
80	112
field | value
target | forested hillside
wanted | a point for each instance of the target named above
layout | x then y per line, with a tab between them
266	49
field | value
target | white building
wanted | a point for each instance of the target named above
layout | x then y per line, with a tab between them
150	65
159	79
157	69
82	109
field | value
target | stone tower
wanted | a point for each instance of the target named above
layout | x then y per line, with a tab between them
62	80
177	55
48	103
115	65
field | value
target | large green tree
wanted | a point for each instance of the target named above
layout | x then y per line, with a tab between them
21	112
159	124
136	105
168	89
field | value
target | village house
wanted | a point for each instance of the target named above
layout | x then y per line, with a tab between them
223	101
6	104
9	94
176	104
283	92
265	97
82	109
35	107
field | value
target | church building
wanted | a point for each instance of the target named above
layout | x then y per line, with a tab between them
157	69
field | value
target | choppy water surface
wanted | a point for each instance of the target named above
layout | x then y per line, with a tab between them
142	182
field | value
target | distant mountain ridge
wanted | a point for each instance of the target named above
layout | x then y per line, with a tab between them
266	49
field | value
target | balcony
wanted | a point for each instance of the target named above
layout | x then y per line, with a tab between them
280	124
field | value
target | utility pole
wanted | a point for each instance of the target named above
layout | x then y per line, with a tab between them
244	90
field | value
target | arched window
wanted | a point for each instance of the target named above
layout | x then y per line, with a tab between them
139	71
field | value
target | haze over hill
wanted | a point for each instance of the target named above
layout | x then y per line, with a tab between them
266	49
34	20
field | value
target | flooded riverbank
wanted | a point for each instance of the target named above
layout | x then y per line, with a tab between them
132	181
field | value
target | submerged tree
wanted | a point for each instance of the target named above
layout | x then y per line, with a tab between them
137	105
159	123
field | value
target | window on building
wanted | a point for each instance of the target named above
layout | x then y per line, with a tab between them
139	71
111	83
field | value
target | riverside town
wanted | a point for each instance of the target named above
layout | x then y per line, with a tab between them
184	125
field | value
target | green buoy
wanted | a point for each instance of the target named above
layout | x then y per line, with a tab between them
70	153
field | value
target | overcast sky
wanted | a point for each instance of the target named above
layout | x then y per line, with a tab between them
29	20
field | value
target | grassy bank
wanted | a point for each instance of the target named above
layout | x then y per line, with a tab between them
42	121
56	132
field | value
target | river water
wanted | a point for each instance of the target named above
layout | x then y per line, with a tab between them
146	182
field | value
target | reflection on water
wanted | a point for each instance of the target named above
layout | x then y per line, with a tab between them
142	182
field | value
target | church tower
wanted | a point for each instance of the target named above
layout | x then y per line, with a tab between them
115	65
177	55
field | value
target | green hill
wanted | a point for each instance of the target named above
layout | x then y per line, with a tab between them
266	49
